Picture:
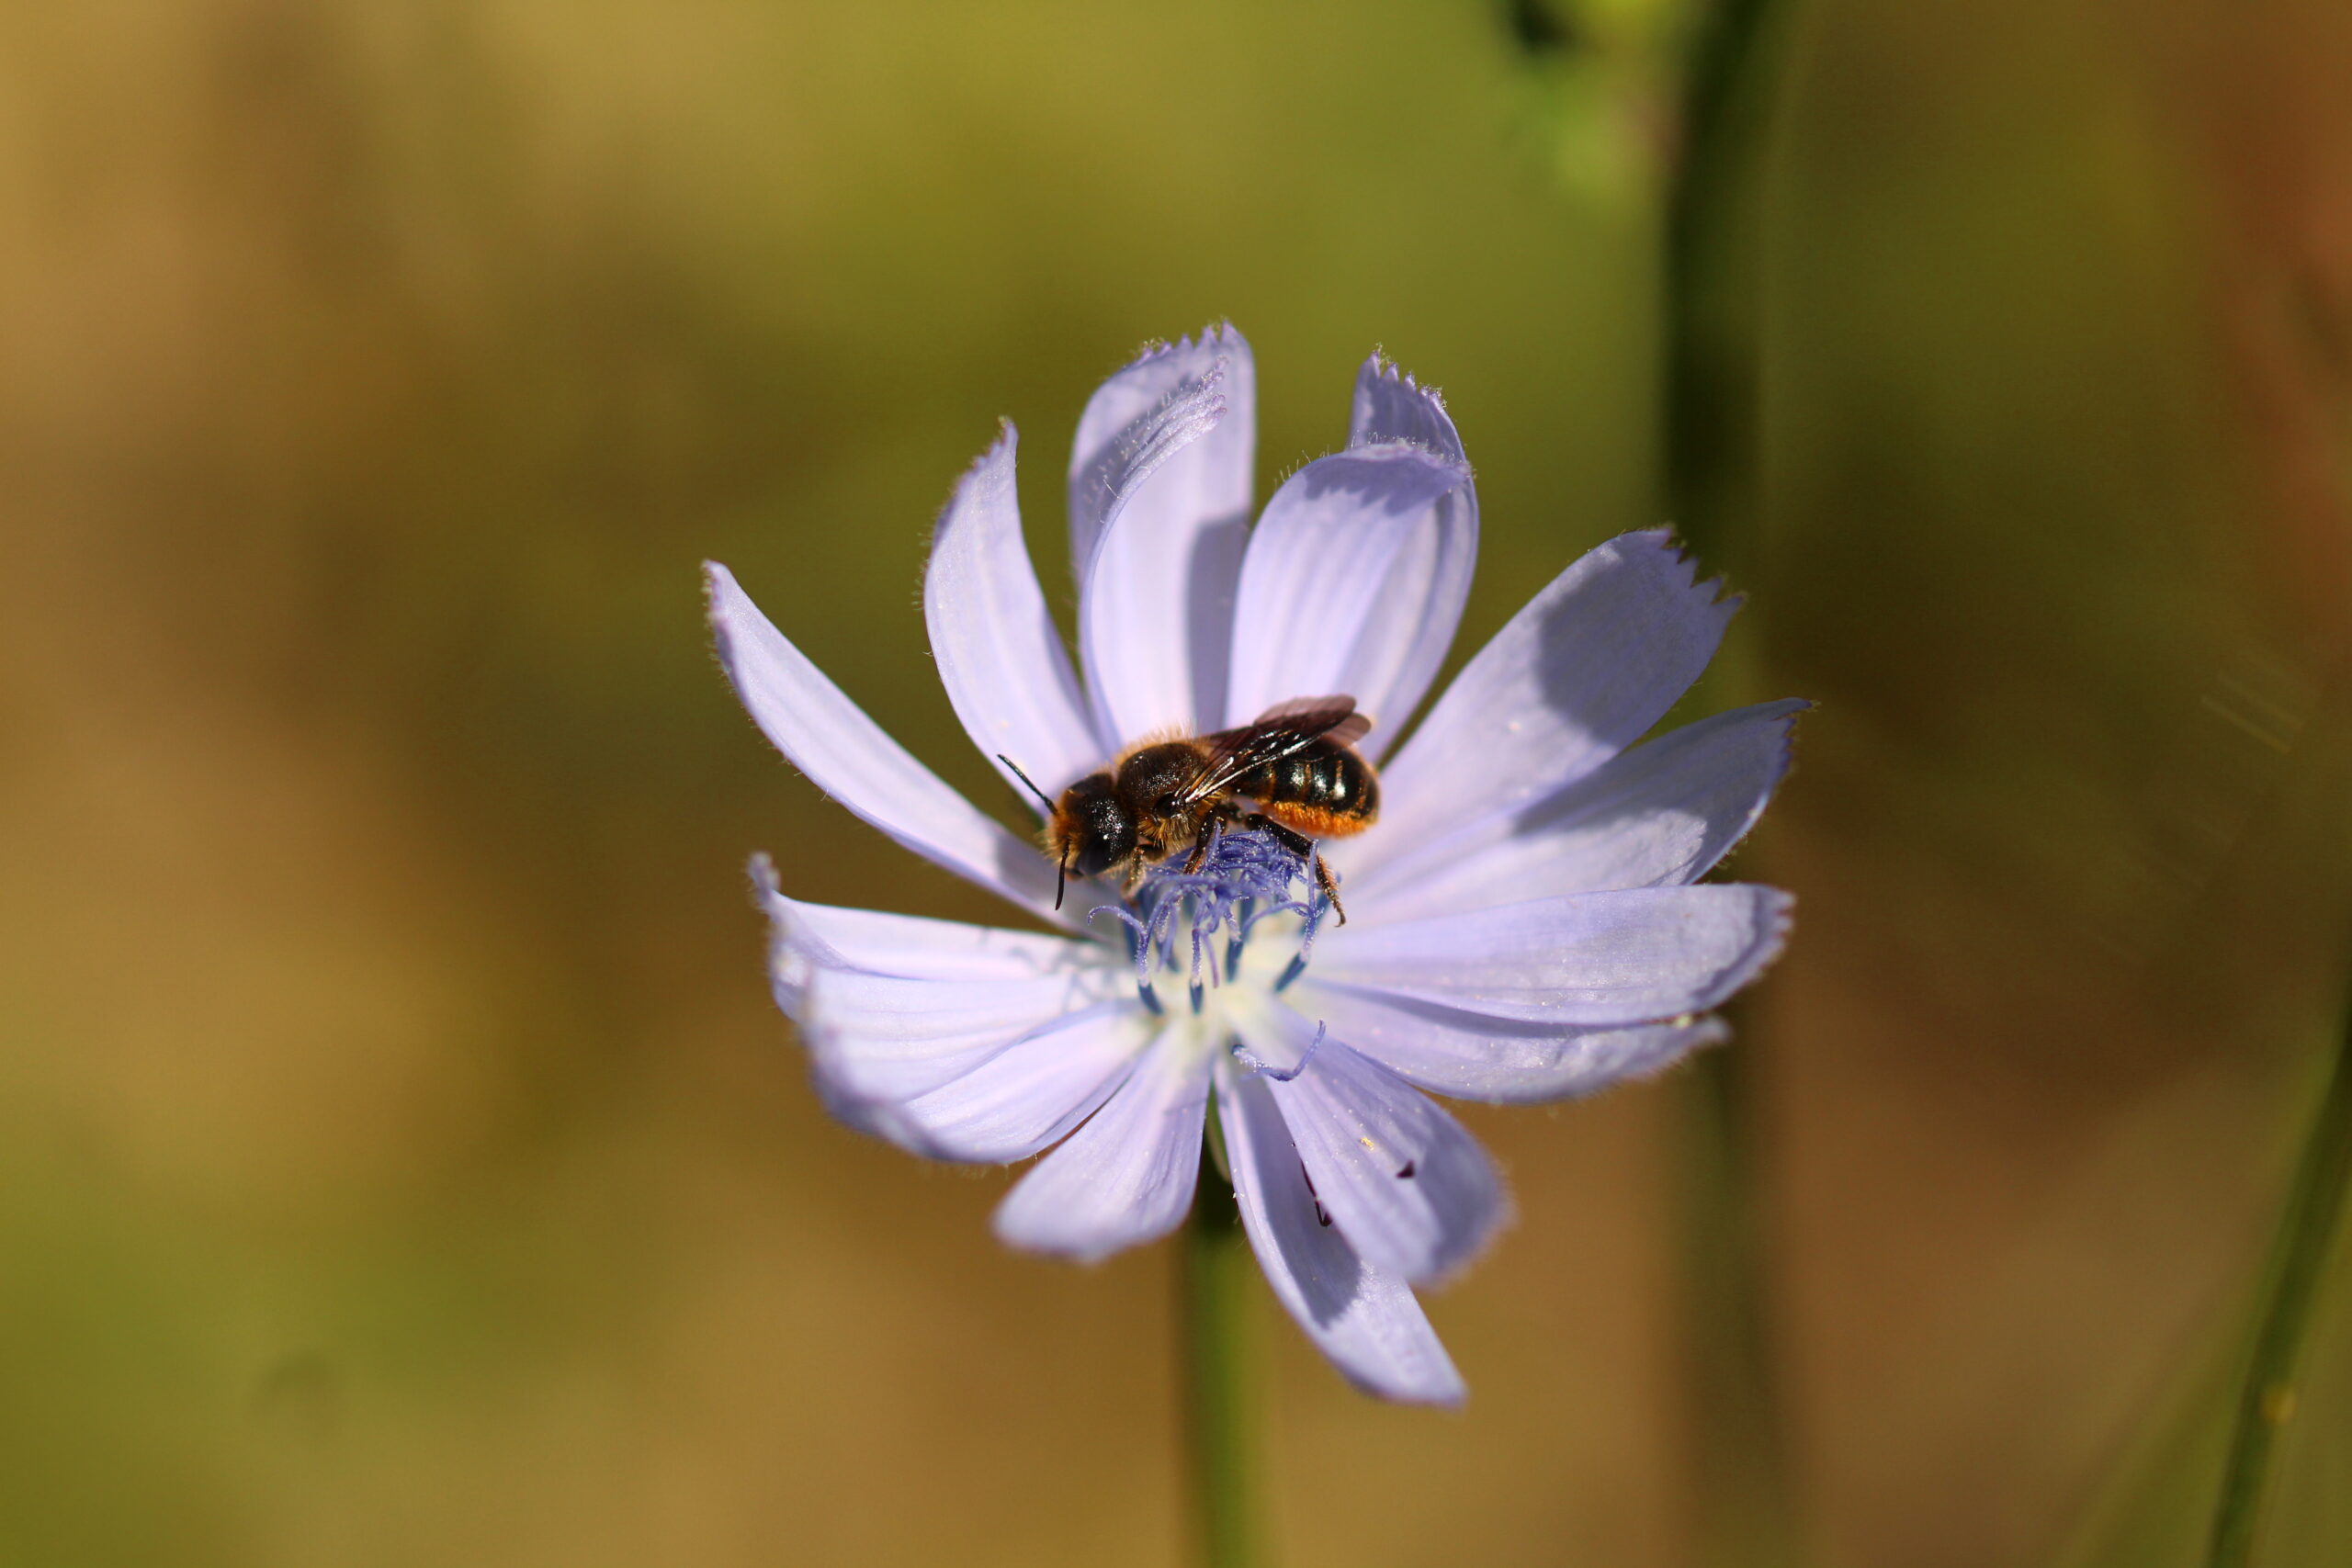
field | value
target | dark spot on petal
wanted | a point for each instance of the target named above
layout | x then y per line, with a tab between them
1406	1173
1322	1217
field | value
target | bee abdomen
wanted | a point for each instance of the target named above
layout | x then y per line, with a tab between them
1324	791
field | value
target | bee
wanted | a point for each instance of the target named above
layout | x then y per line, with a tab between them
1296	761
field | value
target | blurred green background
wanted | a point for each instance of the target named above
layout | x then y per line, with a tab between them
401	1161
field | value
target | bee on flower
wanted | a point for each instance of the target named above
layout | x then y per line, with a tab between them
1524	919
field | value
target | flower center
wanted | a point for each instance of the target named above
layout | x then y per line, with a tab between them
1206	922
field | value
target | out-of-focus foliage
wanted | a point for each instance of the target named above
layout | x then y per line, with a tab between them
400	1160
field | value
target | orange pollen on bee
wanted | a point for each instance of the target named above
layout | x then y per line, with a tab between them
1316	823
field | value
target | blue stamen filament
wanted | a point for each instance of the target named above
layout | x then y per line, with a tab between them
1243	879
1258	1064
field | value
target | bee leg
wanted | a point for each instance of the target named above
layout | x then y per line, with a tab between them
1212	829
1326	881
1295	843
1304	848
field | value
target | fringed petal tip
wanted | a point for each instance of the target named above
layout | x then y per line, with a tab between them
1220	337
1160	487
1470	1057
1450	1399
717	581
765	888
1425	1379
1686	555
1354	581
1577	960
999	655
1363	1319
1000	450
1691	1034
794	954
722	601
1681	1038
1391	406
1786	722
994	468
1781	908
1729	599
1378	364
1379	368
846	755
1707	1032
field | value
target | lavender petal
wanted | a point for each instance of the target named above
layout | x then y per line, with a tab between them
891	1006
1391	406
913	944
846	754
1501	1061
1637	955
896	1037
1362	1317
1031	1093
1660	815
1577	675
1126	1176
999	655
1411	1191
1354	583
1159	492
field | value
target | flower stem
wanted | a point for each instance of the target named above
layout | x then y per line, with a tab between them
1219	1430
1711	440
1710	386
1744	1516
2314	1204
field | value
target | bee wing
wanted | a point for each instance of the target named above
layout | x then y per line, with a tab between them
1333	717
1281	730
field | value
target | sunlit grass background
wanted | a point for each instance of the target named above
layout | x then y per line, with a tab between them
399	1159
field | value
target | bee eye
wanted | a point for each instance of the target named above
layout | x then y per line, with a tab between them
1165	806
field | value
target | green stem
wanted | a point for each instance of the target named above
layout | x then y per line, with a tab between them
1710	413
2314	1204
1743	1514
1711	440
1215	1270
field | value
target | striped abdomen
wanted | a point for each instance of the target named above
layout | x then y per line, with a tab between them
1324	791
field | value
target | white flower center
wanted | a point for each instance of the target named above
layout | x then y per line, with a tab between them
1246	919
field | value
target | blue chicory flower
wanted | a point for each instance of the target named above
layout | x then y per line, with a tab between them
1523	924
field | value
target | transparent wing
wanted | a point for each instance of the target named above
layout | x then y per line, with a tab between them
1280	731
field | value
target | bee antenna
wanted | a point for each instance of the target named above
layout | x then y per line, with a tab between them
1024	778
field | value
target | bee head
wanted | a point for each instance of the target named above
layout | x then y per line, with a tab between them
1088	831
1091	829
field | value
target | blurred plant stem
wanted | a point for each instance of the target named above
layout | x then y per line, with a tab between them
1710	444
1219	1431
2314	1205
1710	384
1743	1513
